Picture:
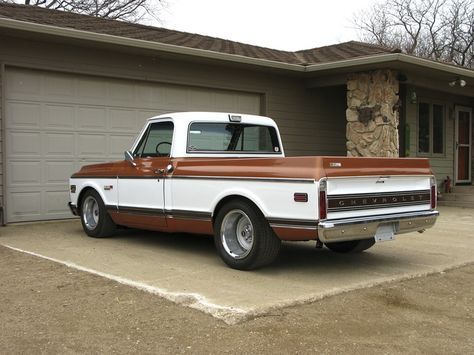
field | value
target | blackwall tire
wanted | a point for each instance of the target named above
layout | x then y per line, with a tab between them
243	237
95	220
352	246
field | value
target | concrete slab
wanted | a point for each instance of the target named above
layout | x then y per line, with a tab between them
187	270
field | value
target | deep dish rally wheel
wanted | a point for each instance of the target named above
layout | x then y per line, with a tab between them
351	246
94	217
243	236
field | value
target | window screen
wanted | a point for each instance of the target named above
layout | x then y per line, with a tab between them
232	137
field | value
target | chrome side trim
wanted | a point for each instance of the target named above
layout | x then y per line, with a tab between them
339	230
232	178
293	223
225	178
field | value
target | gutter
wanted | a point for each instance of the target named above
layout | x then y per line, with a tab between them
391	57
170	48
138	43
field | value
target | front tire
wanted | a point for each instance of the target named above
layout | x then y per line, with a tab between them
351	246
243	237
96	222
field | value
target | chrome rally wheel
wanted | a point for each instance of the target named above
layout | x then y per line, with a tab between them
90	212
237	235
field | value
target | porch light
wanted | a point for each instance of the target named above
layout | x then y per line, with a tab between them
458	82
413	97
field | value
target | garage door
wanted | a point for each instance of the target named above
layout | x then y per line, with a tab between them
55	123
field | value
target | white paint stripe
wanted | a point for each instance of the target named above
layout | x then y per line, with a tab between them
229	315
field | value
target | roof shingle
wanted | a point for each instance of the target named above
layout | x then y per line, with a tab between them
63	19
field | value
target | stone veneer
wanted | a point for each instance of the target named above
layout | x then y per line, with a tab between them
372	114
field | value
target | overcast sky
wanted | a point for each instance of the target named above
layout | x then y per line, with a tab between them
279	24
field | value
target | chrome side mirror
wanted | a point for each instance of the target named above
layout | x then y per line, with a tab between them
129	157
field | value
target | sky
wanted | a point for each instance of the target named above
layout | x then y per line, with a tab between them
279	24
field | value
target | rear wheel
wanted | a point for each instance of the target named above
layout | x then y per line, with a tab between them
351	246
243	237
96	222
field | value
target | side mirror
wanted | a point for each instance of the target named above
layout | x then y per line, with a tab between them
129	157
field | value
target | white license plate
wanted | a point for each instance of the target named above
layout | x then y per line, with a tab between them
385	232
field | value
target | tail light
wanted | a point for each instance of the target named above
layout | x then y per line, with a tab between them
434	195
323	205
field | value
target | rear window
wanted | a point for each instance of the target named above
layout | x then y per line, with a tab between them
232	137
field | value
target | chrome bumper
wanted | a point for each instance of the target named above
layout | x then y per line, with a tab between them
339	230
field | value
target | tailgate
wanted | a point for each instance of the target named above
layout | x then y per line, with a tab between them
358	187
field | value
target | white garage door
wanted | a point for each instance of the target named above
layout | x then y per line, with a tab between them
55	123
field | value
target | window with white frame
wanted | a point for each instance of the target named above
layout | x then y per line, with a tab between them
431	128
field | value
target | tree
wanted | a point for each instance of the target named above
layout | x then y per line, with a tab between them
442	30
126	10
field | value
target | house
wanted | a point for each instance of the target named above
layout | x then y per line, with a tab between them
76	89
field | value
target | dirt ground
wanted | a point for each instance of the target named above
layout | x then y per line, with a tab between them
48	308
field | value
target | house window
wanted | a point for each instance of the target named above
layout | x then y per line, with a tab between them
430	128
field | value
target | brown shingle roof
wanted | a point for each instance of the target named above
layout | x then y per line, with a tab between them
63	19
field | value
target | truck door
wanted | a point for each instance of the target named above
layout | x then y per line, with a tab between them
141	186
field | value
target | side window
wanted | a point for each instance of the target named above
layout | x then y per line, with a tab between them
156	142
431	128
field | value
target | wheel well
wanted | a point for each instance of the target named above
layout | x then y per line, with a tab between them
232	198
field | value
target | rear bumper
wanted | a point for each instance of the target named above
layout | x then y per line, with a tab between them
73	209
340	230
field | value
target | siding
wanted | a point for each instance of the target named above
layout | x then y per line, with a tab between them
442	165
1	136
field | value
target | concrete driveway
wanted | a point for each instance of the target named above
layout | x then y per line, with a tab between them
187	270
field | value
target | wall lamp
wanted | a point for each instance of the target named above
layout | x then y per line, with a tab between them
458	82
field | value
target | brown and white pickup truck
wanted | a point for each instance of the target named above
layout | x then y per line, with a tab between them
227	175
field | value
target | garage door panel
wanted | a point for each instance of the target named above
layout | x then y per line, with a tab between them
94	118
58	172
59	117
91	90
58	87
59	145
119	144
122	120
55	204
26	144
24	173
56	123
89	145
27	115
24	206
24	84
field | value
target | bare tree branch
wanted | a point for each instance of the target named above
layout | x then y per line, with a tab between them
436	29
126	10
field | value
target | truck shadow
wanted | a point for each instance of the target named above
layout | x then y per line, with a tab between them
294	256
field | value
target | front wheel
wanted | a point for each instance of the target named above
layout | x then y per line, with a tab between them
243	237
351	246
96	222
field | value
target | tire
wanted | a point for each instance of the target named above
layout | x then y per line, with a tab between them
96	222
351	246
243	237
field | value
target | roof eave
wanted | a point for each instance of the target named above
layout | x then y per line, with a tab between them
378	59
142	44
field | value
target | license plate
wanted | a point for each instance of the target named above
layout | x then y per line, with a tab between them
385	232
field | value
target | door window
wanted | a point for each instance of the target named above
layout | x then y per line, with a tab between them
156	142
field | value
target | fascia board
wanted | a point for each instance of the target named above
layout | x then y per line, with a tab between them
137	43
390	57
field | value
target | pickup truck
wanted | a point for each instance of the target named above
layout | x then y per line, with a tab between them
227	175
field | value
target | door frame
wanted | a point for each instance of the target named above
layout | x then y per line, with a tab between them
456	145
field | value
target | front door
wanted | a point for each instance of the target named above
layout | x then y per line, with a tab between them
463	144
